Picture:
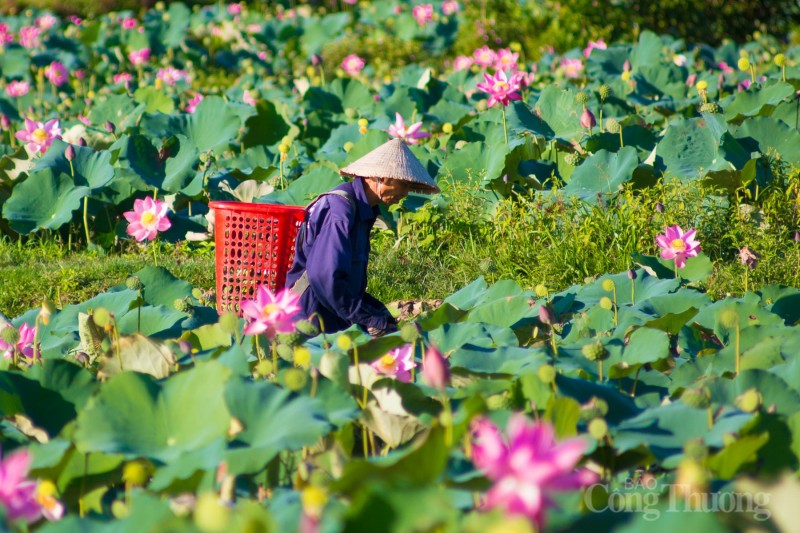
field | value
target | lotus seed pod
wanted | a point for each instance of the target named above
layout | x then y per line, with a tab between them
487	265
229	322
447	127
183	305
573	159
263	368
604	91
409	333
601	405
295	338
302	357
546	315
69	153
581	98
101	317
696	397
120	510
197	293
608	285
701	85
540	290
749	401
710	107
307	328
134	283
691	478
136	472
546	373
729	318
210	514
10	335
344	342
632	274
606	303
285	352
295	379
743	64
362	122
612	126
598	428
348	146
594	351
498	401
283	148
780	60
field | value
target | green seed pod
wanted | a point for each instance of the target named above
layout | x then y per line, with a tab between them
697	397
695	449
285	352
573	159
295	379
780	60
710	107
197	293
294	338
351	112
540	290
608	285
598	428
582	98
487	265
749	401
606	303
137	472
409	333
264	368
10	335
604	91
612	126
101	317
498	401
546	373
307	328
447	127
183	305
729	318
134	283
594	351
211	515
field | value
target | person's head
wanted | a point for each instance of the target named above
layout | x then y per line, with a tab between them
388	191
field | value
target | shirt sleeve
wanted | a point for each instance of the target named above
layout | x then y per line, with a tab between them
328	266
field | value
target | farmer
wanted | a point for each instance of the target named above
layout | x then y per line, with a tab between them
332	248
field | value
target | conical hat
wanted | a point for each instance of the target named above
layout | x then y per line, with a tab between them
395	161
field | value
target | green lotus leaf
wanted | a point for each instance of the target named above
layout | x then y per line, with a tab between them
505	312
46	199
160	287
267	126
757	100
774	390
378	506
467	297
15	62
558	109
620	406
154	100
138	353
646	345
500	360
179	168
697	268
318	178
602	174
451	337
46	408
770	136
119	109
674	520
135	416
180	475
317	31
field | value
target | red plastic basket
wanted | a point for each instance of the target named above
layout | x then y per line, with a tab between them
254	246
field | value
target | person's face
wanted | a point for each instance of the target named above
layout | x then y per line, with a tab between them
392	191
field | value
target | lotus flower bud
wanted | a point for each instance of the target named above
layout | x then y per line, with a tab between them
81	142
5	122
587	119
797	236
316	60
631	274
134	283
659	207
110	127
435	369
546	315
69	153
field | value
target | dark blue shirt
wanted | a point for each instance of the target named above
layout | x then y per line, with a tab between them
334	249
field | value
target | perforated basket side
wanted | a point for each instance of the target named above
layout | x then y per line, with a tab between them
254	246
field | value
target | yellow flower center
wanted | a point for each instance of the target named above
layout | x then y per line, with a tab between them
148	218
678	245
269	309
500	86
387	361
39	135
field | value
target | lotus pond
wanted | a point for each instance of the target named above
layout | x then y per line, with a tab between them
633	400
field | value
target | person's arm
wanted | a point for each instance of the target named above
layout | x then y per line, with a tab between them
328	266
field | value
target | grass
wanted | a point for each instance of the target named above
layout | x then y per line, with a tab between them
555	242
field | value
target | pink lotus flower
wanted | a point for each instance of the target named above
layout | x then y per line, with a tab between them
39	136
147	219
677	245
410	134
600	44
527	467
23	346
691	79
15	89
587	119
450	7
57	73
171	75
423	13
506	60
484	56
248	99
17	492
435	369
85	120
192	104
462	63
500	88
139	57
353	64
52	508
5	35
572	67
122	77
129	23
523	79
75	20
29	36
679	59
397	363
270	313
45	22
234	9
